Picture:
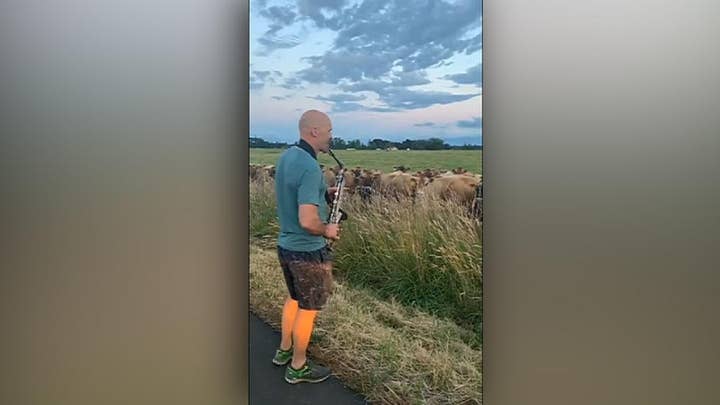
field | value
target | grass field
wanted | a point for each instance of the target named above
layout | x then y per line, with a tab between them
404	324
426	254
385	160
391	353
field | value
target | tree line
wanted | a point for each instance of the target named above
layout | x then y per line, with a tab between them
377	143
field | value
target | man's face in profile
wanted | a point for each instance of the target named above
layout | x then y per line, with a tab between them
325	137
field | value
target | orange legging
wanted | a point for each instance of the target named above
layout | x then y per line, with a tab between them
297	327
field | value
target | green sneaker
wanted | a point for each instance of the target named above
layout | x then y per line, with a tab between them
282	357
310	372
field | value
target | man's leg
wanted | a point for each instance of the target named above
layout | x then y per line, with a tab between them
302	330
313	282
290	310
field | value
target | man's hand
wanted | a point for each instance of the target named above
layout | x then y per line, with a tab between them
332	231
332	190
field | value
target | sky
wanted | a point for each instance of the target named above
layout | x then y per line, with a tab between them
396	70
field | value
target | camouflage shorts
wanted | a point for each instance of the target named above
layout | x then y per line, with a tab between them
308	276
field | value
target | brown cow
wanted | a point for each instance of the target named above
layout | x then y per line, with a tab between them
399	184
367	182
260	172
476	209
459	187
270	171
254	171
331	174
363	177
426	176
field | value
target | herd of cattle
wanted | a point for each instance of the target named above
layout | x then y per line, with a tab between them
457	184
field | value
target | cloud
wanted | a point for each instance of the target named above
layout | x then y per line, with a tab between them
279	15
425	124
271	44
395	99
410	79
260	3
471	76
347	107
345	64
339	107
385	47
261	74
398	97
377	86
430	56
403	98
313	9
282	97
476	122
258	78
475	44
339	98
292	83
383	109
271	33
382	46
375	36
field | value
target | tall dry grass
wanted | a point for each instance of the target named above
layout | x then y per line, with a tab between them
264	226
425	253
389	352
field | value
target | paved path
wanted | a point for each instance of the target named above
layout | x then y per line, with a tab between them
267	383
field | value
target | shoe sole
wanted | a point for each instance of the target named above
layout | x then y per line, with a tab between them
277	363
299	380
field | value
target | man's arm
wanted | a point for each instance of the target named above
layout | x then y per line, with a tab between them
308	201
310	221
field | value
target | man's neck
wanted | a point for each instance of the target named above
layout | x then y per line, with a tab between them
308	147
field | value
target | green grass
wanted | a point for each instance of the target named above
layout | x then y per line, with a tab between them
404	324
264	226
426	255
385	160
389	352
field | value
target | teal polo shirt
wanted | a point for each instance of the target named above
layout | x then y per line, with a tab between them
299	180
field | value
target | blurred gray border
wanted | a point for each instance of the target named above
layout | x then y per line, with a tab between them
244	240
601	133
123	228
119	274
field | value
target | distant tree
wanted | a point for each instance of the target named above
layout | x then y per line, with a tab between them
405	144
378	143
357	144
256	142
435	144
339	143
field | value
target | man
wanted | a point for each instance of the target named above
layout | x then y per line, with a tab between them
306	261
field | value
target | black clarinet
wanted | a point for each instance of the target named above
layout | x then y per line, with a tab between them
336	214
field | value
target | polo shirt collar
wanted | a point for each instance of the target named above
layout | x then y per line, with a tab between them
307	148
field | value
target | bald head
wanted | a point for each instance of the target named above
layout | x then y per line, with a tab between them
316	129
312	119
